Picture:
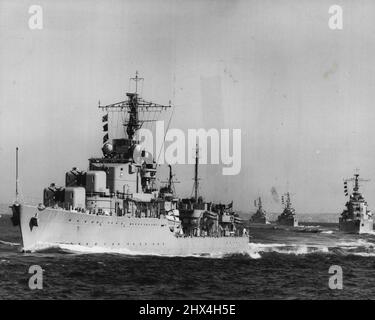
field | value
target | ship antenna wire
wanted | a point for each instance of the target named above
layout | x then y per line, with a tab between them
170	119
17	174
165	134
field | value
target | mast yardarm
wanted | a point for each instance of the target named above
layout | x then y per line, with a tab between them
133	105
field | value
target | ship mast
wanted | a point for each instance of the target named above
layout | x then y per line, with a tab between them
136	79
196	179
133	106
258	203
288	204
170	180
285	200
356	181
17	174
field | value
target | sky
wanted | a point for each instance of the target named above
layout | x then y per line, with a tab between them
301	93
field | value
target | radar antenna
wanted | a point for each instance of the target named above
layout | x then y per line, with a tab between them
355	181
133	105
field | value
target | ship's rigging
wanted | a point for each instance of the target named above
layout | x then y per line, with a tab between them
356	181
135	111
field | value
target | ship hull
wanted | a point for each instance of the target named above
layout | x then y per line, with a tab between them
136	235
288	222
259	221
356	226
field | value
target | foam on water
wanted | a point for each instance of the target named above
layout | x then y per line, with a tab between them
10	243
360	247
296	249
327	232
78	249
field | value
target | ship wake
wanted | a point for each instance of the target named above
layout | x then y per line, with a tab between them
8	243
296	249
78	249
359	247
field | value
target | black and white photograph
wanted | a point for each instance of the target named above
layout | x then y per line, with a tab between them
185	150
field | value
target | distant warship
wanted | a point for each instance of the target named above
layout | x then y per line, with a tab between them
260	215
356	218
288	216
116	205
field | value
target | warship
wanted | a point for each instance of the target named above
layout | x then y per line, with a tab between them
116	205
200	218
260	215
356	218
288	216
